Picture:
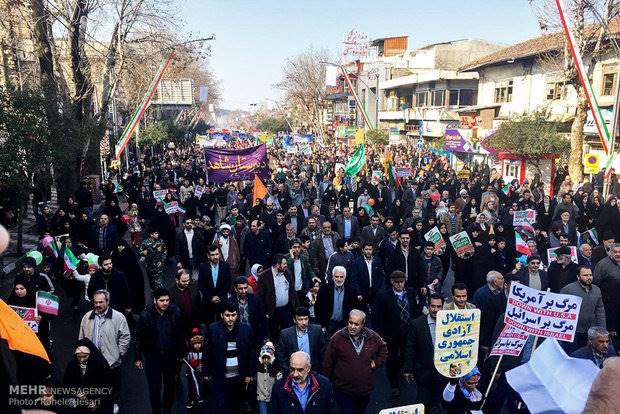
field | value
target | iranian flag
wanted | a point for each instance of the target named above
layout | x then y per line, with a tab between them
594	236
70	261
521	245
47	303
49	244
506	190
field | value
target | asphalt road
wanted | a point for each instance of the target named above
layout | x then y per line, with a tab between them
134	392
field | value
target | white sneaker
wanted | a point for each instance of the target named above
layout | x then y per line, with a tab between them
115	409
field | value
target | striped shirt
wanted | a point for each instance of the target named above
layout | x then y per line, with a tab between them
232	363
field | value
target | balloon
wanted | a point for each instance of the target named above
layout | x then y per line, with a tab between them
92	259
371	202
37	256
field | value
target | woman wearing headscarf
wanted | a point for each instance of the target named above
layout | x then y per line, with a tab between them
461	395
609	218
23	295
470	212
89	369
125	260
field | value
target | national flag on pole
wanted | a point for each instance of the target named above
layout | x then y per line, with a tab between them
118	188
47	303
356	162
140	110
506	190
171	207
376	177
520	245
18	334
259	191
594	236
49	244
70	261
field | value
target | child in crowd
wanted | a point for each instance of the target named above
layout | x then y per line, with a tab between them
195	383
267	373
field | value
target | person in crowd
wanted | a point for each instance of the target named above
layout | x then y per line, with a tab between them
267	373
303	336
190	247
532	275
432	268
322	248
367	276
607	278
342	256
334	301
584	256
394	309
105	235
409	261
153	253
185	295
109	332
373	233
214	283
88	370
461	395
300	267
228	360
229	249
125	261
418	363
598	348
592	310
257	245
302	391
347	225
459	298
491	300
276	290
159	347
111	280
249	309
352	356
563	270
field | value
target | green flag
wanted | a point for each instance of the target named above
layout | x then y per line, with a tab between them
357	161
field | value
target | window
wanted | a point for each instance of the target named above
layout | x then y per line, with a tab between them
609	83
420	99
454	97
468	97
437	98
503	91
555	89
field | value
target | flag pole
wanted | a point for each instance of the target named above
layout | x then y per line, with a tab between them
357	101
486	394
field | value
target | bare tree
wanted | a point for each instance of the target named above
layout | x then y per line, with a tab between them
303	84
590	20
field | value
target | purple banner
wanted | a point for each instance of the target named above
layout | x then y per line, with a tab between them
455	142
224	164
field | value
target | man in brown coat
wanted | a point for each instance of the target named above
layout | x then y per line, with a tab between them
276	290
351	357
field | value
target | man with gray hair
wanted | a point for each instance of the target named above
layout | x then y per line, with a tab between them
598	348
491	301
334	301
291	394
108	330
352	355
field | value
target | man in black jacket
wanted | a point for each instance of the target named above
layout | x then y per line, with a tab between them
184	293
394	309
190	255
367	276
115	282
407	260
228	360
301	337
419	353
160	345
214	283
330	317
250	310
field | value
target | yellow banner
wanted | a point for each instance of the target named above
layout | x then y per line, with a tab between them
457	334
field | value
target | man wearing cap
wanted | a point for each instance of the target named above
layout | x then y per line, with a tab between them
31	275
562	271
229	249
532	275
393	309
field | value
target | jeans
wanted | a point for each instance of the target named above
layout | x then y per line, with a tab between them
262	407
351	404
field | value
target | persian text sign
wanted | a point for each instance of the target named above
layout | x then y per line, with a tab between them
462	244
28	315
457	335
405	409
225	164
524	218
510	342
545	314
434	236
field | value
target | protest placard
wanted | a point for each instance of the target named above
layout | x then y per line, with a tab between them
198	191
524	218
509	342
552	257
433	235
28	315
405	409
456	340
462	243
159	194
546	314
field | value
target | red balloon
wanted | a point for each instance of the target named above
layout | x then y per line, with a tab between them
371	202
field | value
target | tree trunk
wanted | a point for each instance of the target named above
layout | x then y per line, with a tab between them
20	225
575	160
